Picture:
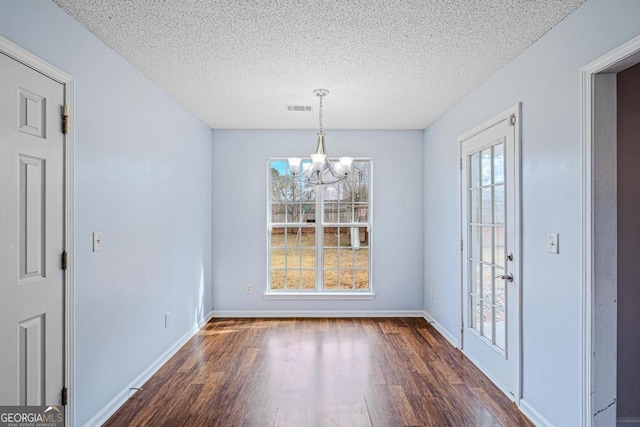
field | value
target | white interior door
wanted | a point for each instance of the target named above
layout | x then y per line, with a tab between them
31	236
490	255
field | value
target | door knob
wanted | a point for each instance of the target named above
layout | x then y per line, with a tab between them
508	277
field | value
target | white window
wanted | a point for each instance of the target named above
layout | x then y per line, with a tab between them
319	236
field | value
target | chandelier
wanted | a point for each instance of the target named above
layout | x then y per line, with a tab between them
321	170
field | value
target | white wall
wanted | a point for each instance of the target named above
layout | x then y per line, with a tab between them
605	256
546	79
142	176
239	215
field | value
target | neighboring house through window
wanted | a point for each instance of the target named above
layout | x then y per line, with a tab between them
319	236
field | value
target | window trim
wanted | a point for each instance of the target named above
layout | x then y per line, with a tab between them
319	293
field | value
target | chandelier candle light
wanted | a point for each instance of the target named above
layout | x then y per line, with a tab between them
322	170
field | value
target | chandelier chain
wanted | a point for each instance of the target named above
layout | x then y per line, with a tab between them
322	170
320	115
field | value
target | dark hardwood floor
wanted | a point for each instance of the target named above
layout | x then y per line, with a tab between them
318	372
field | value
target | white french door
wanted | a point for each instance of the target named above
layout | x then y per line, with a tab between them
490	250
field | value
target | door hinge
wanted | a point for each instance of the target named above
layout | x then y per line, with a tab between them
512	119
65	260
461	244
65	119
65	396
460	164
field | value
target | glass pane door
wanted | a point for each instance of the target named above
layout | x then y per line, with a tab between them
486	254
489	193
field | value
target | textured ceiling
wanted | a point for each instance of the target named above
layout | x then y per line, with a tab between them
389	64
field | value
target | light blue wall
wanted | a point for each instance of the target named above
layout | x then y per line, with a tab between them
144	174
546	79
239	215
143	177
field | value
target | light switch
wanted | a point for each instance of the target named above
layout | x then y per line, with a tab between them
97	241
553	243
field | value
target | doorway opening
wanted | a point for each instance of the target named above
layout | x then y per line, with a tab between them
611	378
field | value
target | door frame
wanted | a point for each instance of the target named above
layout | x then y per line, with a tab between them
514	110
32	61
593	133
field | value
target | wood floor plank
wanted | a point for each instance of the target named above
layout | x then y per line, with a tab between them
318	372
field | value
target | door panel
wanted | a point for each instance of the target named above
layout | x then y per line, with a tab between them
31	245
31	359
490	297
31	236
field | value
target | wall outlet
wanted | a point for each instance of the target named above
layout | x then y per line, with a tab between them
167	320
249	288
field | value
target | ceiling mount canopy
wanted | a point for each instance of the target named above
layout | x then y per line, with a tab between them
320	170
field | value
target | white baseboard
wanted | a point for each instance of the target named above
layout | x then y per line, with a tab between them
446	334
205	320
103	415
628	421
314	313
533	415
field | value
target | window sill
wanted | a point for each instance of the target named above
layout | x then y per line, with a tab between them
320	295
